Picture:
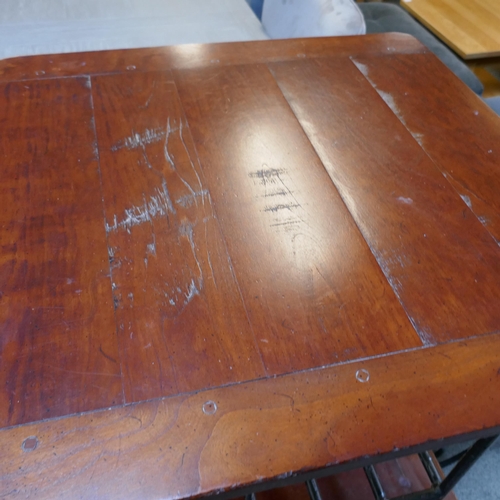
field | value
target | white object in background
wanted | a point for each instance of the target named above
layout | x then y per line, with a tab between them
30	27
309	18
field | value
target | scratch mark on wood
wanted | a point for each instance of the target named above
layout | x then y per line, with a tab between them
292	401
396	285
418	137
140	141
276	208
146	104
192	191
116	264
268	175
136	140
184	296
208	251
211	268
362	67
389	100
288	189
466	200
146	159
272	176
168	157
192	292
151	247
386	263
187	200
288	223
408	201
107	356
181	296
157	205
276	193
191	161
186	229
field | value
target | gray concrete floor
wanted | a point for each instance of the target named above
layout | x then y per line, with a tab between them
483	481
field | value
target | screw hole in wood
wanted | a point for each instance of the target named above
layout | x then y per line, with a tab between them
209	408
30	443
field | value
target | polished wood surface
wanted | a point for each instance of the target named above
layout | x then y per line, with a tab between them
195	56
425	201
313	249
340	416
58	336
171	273
469	27
467	159
224	265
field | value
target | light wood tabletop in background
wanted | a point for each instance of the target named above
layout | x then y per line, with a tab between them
470	27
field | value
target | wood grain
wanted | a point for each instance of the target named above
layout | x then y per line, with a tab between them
261	430
194	56
416	225
181	323
57	330
469	157
310	284
469	27
218	265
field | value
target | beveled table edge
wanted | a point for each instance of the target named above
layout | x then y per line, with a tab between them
216	430
190	56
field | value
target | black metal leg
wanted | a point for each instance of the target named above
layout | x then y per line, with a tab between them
375	484
465	463
439	488
313	490
430	468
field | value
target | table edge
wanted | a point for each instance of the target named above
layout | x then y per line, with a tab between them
180	56
454	370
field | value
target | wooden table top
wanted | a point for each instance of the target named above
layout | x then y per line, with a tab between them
225	264
469	27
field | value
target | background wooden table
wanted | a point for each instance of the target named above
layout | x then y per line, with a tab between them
225	264
469	27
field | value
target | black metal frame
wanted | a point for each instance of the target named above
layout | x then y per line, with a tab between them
309	477
313	490
440	488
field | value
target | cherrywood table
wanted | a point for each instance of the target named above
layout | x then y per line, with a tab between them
469	27
223	265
